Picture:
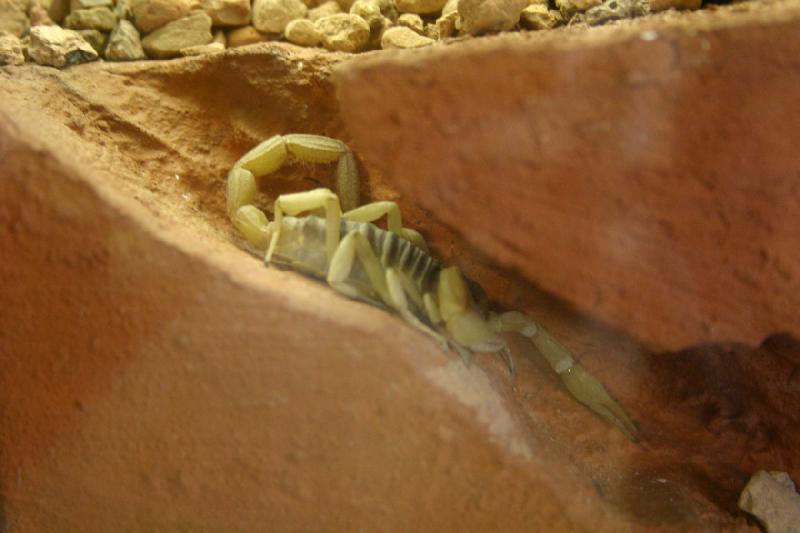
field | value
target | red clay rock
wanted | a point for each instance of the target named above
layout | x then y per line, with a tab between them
647	173
155	376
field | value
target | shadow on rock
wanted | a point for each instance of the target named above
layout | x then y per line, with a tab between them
721	412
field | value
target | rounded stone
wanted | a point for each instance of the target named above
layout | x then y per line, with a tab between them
420	7
149	15
302	32
244	36
402	37
538	17
14	17
367	10
411	21
487	16
324	9
56	47
168	40
124	44
272	16
343	32
227	12
96	18
10	50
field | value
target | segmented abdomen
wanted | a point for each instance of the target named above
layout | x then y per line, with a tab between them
302	247
396	252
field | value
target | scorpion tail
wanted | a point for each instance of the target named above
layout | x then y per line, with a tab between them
579	382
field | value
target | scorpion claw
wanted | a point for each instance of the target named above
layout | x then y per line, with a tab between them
590	392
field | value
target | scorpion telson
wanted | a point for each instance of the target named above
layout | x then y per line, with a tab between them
389	268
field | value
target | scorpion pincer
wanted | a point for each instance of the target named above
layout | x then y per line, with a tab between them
389	268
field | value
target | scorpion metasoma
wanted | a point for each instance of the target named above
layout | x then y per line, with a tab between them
389	268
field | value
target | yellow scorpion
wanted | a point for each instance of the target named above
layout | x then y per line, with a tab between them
389	268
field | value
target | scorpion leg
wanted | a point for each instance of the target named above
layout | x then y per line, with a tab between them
375	210
295	203
581	384
399	303
389	285
355	245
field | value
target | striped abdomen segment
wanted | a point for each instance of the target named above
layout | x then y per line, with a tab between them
302	247
400	254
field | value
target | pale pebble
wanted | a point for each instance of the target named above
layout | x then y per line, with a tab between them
149	15
202	49
272	16
96	38
14	16
402	37
323	10
124	43
168	40
411	21
488	16
95	18
302	32
420	7
11	50
227	12
58	47
344	32
538	17
244	36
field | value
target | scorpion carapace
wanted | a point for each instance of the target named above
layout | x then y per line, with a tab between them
390	268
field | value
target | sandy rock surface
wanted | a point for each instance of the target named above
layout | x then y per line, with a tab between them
176	370
10	50
576	200
201	49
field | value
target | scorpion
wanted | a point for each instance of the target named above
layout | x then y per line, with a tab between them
390	268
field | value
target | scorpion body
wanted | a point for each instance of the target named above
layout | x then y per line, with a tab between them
302	248
389	268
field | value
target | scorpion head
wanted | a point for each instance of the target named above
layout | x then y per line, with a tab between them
463	317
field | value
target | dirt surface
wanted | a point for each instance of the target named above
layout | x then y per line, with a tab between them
158	377
645	172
